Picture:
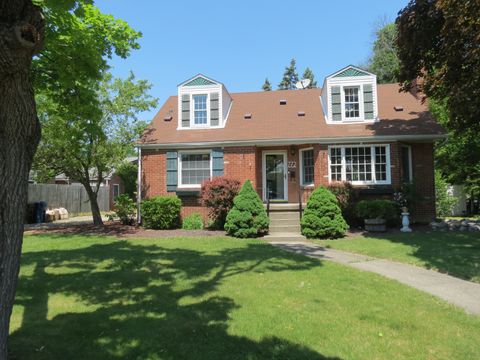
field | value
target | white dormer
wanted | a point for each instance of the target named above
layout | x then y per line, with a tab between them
350	96
203	103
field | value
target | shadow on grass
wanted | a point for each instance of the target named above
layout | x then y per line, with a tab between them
456	253
143	302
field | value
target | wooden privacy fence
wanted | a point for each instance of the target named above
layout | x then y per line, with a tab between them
74	198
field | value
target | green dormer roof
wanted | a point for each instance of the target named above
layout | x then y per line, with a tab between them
351	71
199	81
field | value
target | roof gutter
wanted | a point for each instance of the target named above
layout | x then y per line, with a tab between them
300	141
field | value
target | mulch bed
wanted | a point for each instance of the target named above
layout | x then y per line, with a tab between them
112	228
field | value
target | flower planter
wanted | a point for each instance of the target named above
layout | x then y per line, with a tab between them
375	225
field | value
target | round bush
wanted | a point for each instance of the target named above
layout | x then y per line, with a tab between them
193	222
217	195
248	217
125	209
322	217
161	212
377	209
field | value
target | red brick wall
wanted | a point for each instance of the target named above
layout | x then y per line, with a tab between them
424	179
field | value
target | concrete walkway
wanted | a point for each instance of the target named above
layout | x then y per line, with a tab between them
464	294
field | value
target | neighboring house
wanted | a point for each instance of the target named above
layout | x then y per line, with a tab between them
288	142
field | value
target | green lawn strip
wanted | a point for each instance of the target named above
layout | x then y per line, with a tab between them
455	253
219	298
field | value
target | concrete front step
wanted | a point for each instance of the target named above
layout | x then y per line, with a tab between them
283	222
285	229
284	206
284	237
284	215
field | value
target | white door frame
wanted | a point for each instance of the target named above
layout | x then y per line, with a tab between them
285	172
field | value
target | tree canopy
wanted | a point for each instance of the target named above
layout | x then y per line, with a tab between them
384	60
440	42
266	85
308	74
290	77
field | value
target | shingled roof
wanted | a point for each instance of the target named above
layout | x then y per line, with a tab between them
270	121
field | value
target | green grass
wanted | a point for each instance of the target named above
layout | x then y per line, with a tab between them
219	298
456	253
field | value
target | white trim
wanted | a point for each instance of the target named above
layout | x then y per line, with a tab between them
192	111
300	158
295	141
179	168
285	172
361	112
197	76
410	161
388	169
115	186
348	67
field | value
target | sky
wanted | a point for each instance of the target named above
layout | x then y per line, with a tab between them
240	43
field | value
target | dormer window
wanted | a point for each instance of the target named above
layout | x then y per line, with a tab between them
350	95
352	103
200	109
203	103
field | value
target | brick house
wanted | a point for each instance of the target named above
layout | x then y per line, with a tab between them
288	142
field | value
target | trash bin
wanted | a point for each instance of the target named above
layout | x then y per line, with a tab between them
40	209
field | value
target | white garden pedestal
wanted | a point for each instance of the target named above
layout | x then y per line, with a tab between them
405	222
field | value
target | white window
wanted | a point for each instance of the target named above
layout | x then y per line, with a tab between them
307	166
351	102
200	109
360	164
194	168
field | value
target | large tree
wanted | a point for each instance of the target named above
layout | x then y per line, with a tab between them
266	85
88	147
290	77
308	74
440	42
384	60
78	41
21	37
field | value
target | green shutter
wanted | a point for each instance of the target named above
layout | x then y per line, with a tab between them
217	162
214	106
368	101
186	110
172	170
336	104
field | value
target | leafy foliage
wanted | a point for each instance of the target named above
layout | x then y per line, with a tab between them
308	74
444	201
128	173
161	212
384	61
439	41
290	77
377	209
323	217
217	195
266	85
125	209
347	196
248	217
193	222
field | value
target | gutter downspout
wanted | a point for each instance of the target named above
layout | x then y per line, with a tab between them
139	186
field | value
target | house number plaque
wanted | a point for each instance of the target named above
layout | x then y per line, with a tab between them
292	164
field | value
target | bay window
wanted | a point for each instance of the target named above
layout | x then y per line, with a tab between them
194	168
360	164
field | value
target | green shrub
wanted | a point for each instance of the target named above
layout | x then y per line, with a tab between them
444	201
248	217
161	212
217	195
322	217
125	209
193	222
377	209
347	197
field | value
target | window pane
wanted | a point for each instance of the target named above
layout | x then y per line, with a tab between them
380	163
308	167
336	164
195	168
200	109
352	104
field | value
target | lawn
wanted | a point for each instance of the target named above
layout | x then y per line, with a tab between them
455	253
84	297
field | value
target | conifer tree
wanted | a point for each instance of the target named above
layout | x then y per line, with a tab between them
290	77
308	74
266	85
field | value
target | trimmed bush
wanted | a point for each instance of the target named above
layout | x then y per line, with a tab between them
125	209
248	217
322	217
217	195
193	222
377	209
161	212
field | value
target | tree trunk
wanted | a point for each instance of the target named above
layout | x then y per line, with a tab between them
21	36
92	196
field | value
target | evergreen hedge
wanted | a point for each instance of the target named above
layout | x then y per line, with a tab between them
322	217
248	217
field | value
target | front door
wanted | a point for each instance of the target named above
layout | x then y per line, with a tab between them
275	176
